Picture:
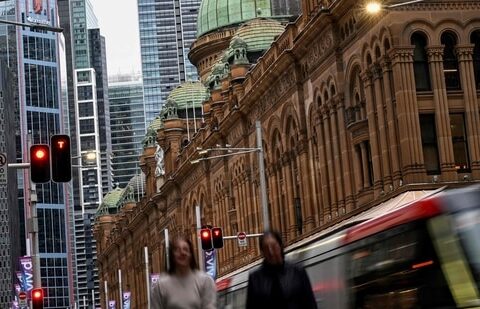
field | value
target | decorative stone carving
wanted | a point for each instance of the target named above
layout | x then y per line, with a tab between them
150	138
317	51
159	159
238	49
169	110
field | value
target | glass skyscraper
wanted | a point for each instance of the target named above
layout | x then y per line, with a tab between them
34	59
127	123
167	29
89	123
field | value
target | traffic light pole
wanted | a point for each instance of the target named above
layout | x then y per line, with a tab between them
37	280
32	227
199	241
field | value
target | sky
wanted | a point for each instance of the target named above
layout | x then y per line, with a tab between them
118	20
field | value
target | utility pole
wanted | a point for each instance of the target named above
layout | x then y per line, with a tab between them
32	226
261	169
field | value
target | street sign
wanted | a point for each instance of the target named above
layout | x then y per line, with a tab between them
242	239
22	299
3	168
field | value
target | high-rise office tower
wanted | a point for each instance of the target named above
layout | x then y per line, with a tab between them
127	123
89	123
167	29
34	58
9	215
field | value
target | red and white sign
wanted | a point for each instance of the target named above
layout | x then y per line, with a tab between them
242	239
22	299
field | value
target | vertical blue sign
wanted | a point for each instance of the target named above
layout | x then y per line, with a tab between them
210	258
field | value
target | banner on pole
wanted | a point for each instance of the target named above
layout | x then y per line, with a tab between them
112	304
19	275
210	259
126	300
26	266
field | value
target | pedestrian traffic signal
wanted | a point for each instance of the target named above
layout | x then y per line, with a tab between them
217	237
61	158
37	298
40	163
206	239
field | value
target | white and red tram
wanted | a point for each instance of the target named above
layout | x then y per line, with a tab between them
425	254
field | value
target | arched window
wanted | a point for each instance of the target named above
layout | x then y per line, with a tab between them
420	62
450	63
475	40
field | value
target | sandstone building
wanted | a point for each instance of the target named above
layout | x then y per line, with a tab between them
356	109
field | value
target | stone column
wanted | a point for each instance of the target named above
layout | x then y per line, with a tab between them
322	157
337	162
306	194
345	155
383	146
442	117
390	120
289	208
330	162
472	115
372	132
409	134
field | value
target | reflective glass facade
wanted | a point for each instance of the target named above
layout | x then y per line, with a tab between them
89	123
41	115
167	29
127	123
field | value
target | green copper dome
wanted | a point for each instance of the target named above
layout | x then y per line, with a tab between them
188	95
111	202
215	14
156	124
259	34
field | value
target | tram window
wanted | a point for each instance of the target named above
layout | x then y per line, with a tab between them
328	282
398	269
239	298
467	224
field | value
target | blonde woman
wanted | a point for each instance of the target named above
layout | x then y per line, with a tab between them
185	287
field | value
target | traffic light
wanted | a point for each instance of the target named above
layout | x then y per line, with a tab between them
37	298
40	163
217	237
206	238
61	158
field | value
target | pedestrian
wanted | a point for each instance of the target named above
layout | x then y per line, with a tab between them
184	287
278	284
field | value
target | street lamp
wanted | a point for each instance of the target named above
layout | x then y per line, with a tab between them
374	7
89	159
261	166
32	26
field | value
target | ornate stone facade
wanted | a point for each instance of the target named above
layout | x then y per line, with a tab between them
341	115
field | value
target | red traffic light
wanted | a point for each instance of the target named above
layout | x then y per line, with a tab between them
206	239
37	294
61	158
37	298
217	237
40	163
40	154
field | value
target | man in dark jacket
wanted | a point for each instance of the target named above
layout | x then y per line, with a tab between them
277	284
